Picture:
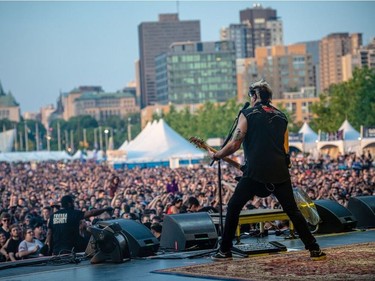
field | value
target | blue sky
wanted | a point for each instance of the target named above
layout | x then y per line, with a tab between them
48	47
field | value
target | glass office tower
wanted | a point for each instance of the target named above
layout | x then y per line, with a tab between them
196	72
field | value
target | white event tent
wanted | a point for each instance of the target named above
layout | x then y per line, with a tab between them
308	142
350	143
158	144
36	156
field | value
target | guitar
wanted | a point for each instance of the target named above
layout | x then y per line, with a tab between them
201	144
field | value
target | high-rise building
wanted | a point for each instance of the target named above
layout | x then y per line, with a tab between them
241	35
247	73
196	72
260	27
286	68
312	47
332	50
299	104
154	39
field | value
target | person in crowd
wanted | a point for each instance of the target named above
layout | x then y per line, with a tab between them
113	185
172	186
30	247
156	229
5	224
3	240
39	232
10	249
63	228
192	205
175	206
263	131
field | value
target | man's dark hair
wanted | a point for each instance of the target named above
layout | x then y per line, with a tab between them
67	201
156	227
192	201
263	89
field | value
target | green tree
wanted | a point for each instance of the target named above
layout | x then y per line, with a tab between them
353	100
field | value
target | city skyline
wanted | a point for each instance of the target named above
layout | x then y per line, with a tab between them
53	47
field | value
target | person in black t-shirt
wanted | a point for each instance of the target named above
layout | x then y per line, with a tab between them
10	249
5	221
63	227
262	129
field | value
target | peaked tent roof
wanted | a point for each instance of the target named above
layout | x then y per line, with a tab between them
309	136
349	132
159	142
138	138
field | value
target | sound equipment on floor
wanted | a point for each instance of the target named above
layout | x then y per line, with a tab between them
108	243
363	208
334	217
259	248
142	243
190	231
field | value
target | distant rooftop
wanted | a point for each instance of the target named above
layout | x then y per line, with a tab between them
7	100
102	95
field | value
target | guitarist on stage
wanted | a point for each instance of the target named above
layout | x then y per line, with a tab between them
262	129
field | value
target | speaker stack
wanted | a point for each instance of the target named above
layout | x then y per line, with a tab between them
190	231
334	217
142	243
363	208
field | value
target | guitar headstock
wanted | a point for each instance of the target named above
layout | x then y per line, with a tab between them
198	142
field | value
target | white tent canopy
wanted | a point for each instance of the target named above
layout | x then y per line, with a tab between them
158	142
90	154
349	144
308	141
34	156
309	136
350	134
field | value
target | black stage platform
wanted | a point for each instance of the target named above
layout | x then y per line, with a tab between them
140	269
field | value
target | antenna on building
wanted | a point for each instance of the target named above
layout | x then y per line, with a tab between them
178	7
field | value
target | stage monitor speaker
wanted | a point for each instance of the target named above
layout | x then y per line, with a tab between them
363	208
142	243
108	244
334	217
190	231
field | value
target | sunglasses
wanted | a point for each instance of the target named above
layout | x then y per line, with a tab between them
251	92
6	220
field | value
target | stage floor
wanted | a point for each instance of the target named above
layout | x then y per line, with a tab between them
140	269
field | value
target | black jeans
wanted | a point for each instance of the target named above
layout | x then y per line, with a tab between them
245	191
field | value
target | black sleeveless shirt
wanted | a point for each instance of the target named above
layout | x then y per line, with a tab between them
264	144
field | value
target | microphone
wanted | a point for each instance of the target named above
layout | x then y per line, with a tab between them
246	105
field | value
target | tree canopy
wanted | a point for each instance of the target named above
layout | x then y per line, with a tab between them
353	100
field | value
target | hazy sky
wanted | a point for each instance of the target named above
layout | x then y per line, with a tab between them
48	47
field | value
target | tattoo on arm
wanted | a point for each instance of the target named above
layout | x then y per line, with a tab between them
238	135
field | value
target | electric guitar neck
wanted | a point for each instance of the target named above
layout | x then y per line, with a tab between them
201	144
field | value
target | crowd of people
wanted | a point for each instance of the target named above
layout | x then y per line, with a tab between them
32	192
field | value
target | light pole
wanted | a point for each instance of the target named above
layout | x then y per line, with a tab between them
129	130
106	131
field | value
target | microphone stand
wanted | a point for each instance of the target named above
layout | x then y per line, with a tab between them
234	125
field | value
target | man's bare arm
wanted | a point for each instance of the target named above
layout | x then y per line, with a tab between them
235	143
